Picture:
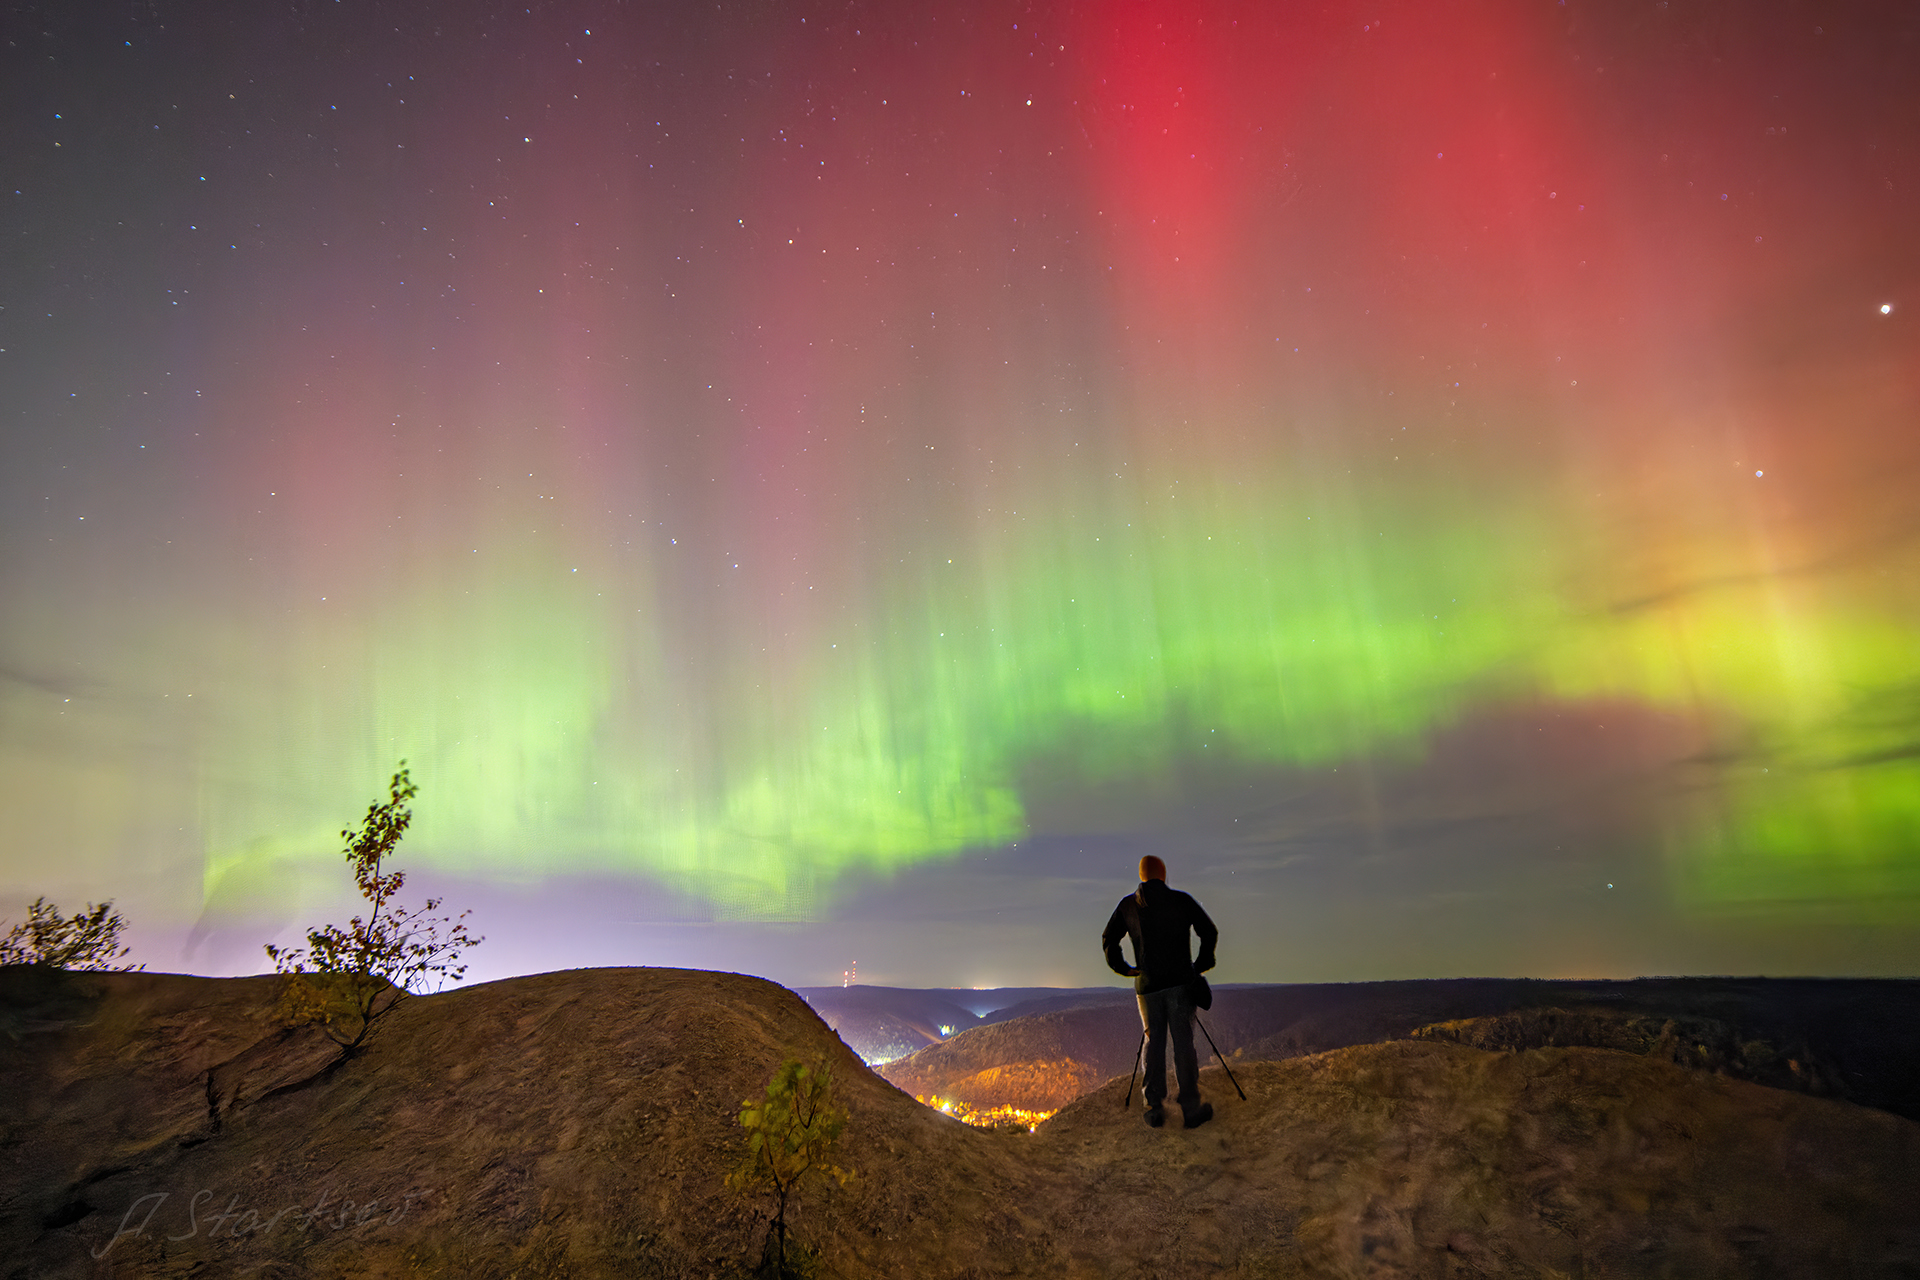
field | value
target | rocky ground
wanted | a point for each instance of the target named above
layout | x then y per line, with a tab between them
581	1124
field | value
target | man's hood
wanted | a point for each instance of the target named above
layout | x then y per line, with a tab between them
1149	890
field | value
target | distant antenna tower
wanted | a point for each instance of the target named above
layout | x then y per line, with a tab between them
850	976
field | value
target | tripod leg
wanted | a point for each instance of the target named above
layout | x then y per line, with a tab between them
1127	1101
1222	1061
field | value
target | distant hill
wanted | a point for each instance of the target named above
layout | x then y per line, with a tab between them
1857	1039
1059	999
581	1124
884	1023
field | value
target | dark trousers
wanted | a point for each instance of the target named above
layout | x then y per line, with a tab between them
1170	1011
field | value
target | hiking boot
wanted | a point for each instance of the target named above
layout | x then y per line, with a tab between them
1155	1117
1201	1114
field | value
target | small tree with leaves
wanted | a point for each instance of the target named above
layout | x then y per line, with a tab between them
790	1138
88	939
348	980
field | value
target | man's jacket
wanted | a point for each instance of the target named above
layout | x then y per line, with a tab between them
1157	919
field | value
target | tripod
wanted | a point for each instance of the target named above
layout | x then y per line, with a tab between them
1127	1101
1217	1056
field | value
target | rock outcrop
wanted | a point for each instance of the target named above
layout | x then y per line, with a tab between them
582	1123
565	1124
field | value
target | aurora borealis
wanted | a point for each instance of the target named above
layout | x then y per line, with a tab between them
812	483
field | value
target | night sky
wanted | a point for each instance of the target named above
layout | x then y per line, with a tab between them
804	484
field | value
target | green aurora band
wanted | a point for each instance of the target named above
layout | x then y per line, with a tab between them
1274	622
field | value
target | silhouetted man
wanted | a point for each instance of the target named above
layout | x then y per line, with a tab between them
1157	920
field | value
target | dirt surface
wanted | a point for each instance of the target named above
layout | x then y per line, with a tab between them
1411	1159
581	1124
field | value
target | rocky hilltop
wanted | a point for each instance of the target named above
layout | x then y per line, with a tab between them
581	1124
